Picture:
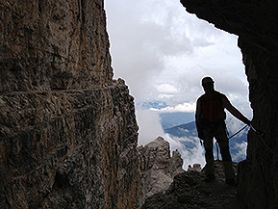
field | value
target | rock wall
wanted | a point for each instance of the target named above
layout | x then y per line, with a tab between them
68	133
157	167
255	22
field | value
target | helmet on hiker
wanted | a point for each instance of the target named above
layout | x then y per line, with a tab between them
207	80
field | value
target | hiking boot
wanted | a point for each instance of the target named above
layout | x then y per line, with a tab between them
231	182
209	178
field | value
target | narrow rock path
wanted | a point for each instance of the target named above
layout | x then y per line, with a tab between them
189	191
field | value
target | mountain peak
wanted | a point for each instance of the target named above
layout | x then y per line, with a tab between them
157	167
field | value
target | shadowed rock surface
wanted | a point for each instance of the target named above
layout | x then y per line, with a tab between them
68	133
255	22
157	167
189	191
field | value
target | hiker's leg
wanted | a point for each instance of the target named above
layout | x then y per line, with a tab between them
208	144
223	141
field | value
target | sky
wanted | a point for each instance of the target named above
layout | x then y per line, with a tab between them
162	52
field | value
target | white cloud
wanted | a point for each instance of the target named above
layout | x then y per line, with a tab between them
165	96
241	148
190	156
234	125
149	126
184	107
156	43
150	129
166	88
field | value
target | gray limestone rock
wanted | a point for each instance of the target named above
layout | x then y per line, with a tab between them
157	167
68	134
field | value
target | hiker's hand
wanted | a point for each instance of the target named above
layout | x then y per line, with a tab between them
248	122
200	134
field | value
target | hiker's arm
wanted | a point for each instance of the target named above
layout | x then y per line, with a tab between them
198	120
235	112
198	114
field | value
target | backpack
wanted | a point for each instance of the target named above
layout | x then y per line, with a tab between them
212	109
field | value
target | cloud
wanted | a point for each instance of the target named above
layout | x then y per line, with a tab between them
160	43
149	126
234	125
166	88
139	43
241	151
184	107
190	156
156	43
195	153
165	96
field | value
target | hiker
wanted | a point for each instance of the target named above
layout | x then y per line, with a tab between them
210	122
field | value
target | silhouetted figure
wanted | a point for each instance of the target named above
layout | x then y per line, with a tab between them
210	122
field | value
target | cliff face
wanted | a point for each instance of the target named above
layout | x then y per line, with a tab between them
68	132
255	22
157	167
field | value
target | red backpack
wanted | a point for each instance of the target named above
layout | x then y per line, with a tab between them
212	109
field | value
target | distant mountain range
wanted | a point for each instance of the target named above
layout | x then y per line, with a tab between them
237	143
173	119
167	119
188	129
152	104
181	125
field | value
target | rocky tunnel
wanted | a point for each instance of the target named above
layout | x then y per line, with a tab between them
255	23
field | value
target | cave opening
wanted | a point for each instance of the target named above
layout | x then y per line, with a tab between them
162	52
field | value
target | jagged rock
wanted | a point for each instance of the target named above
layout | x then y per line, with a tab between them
189	191
255	22
68	134
157	167
196	167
